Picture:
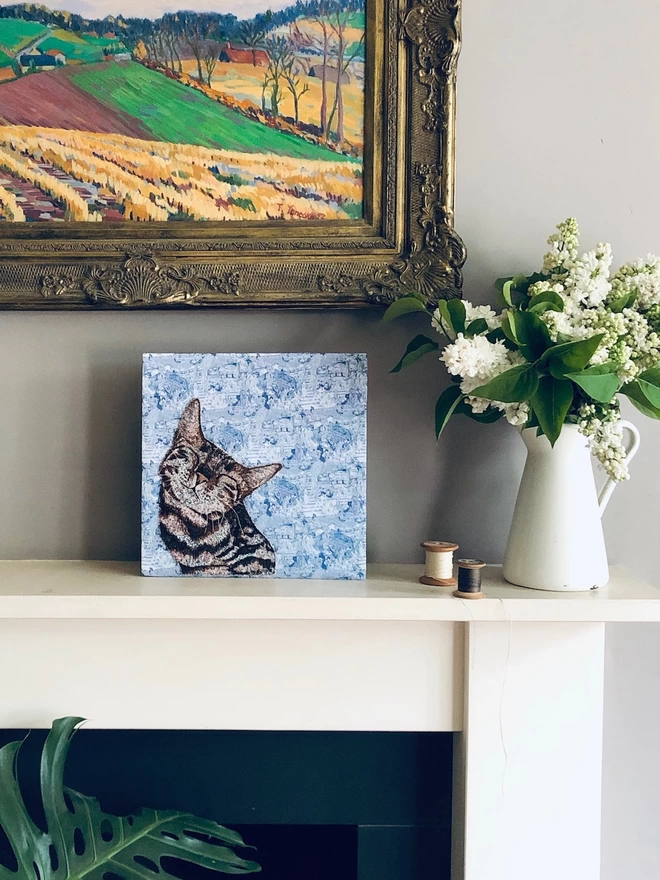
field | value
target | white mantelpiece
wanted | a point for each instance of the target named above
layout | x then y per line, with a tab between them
517	676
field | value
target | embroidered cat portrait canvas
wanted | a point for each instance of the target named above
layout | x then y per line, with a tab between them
254	465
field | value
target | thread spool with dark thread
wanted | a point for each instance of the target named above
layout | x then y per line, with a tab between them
469	579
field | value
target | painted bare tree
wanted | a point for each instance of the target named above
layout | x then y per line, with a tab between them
322	19
253	36
294	84
339	22
170	34
278	57
212	47
196	32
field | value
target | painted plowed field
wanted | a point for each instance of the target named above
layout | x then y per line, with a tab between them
51	99
95	176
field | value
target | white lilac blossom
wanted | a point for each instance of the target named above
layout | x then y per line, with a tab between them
564	247
477	360
601	425
472	313
622	307
440	325
642	277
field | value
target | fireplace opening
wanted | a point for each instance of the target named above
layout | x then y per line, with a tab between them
315	805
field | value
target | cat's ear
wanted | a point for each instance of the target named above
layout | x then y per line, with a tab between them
189	430
257	476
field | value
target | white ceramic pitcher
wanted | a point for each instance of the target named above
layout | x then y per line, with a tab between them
556	540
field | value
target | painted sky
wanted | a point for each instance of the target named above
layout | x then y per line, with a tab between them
155	8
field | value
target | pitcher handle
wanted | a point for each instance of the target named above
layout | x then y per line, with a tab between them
631	448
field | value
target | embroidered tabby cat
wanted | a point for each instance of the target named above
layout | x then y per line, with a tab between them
203	521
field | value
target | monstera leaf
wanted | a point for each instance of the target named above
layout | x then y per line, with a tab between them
81	841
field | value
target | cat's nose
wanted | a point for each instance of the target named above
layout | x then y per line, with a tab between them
201	478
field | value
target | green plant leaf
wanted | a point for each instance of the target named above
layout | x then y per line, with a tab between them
513	386
129	847
551	403
649	382
417	348
600	382
639	400
625	301
457	314
509	329
490	415
476	327
503	287
513	288
444	314
541	302
570	357
403	306
445	406
532	334
532	421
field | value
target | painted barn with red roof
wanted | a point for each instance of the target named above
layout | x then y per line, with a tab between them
244	55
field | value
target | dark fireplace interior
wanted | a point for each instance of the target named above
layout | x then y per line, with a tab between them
317	806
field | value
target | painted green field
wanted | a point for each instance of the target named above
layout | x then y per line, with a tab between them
176	113
5	59
85	50
15	33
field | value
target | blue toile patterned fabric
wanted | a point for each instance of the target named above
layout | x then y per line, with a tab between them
254	465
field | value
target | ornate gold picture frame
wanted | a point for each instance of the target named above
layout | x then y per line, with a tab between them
404	240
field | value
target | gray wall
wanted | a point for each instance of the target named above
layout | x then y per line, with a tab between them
558	114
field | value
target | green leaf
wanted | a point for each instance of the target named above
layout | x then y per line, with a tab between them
640	401
541	302
127	846
532	334
403	306
444	314
625	301
476	327
419	346
532	421
509	328
551	403
457	315
570	357
649	382
487	417
600	382
513	386
501	284
506	292
445	406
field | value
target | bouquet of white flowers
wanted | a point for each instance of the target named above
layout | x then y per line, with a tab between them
569	340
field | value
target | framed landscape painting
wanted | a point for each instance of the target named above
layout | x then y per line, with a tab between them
262	153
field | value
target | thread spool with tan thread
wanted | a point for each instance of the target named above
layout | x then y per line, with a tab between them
439	566
469	579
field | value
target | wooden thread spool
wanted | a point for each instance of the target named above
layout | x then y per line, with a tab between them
469	579
439	567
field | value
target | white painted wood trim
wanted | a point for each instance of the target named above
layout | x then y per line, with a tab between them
519	673
528	783
115	590
233	675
